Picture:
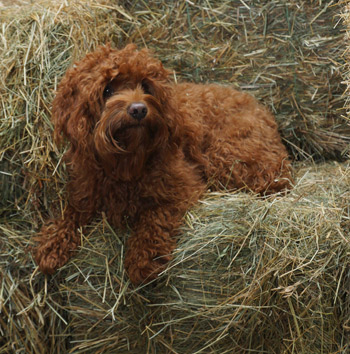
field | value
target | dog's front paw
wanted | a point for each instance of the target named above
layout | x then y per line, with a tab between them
47	259
49	256
142	267
56	245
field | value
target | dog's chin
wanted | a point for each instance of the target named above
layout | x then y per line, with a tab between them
124	146
131	138
125	152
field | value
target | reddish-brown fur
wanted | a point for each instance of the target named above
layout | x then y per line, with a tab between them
147	173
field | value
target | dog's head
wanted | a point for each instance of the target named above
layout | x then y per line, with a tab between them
116	106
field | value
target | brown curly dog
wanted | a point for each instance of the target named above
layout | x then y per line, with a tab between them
143	150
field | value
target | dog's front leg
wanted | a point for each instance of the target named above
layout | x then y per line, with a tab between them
57	240
150	246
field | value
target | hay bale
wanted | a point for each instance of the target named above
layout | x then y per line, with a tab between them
249	274
290	55
346	18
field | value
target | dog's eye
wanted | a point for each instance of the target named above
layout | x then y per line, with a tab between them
108	91
146	88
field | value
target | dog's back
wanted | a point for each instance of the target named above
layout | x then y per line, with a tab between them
238	137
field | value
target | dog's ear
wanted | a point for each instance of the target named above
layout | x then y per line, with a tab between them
164	92
79	97
66	107
74	114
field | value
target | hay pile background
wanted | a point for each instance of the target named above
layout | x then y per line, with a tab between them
249	274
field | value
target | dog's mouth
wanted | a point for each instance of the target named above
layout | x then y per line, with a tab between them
127	127
130	137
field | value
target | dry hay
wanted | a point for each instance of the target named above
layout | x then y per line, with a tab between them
267	275
249	274
346	71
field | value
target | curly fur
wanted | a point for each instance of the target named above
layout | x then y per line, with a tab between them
148	172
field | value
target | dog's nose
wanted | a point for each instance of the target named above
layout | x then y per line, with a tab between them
137	110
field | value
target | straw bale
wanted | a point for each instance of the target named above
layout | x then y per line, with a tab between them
249	274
